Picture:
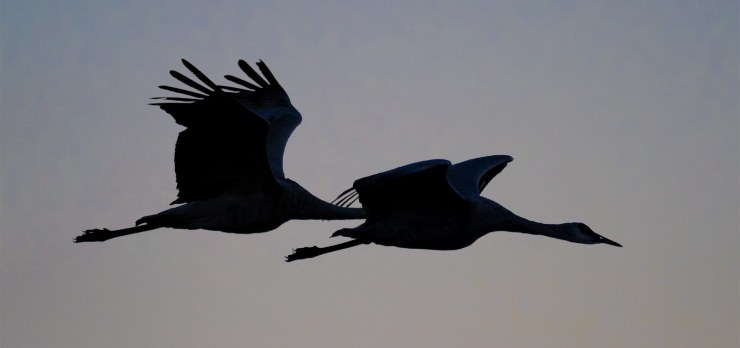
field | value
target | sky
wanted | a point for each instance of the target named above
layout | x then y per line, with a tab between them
620	114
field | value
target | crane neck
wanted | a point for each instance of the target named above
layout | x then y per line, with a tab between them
498	218
558	231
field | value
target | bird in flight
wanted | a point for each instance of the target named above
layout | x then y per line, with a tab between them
229	159
437	205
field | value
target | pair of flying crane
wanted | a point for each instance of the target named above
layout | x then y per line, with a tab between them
229	171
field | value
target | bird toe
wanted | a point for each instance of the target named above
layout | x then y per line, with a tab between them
91	235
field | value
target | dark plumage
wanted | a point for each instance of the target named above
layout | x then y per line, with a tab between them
229	159
436	205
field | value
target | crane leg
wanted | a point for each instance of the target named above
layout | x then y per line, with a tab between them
309	252
103	234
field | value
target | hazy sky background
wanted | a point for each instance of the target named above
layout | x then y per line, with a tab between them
620	114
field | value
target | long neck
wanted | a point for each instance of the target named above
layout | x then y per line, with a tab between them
498	218
302	205
559	231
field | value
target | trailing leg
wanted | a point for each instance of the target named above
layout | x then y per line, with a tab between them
103	234
309	252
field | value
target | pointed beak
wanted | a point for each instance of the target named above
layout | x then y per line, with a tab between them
610	242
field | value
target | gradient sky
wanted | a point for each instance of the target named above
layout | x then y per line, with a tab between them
620	114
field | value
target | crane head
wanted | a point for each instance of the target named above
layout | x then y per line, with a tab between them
584	234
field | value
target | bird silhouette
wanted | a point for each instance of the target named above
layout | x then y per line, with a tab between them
229	159
436	205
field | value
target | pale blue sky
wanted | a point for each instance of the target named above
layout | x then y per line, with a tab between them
620	114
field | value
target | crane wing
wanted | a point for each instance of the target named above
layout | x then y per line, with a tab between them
266	98
224	145
469	178
413	185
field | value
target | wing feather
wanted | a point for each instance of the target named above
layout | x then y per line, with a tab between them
200	75
410	186
239	81
271	102
186	80
183	91
252	74
175	99
224	145
267	73
469	178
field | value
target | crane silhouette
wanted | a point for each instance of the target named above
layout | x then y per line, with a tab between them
436	205
229	159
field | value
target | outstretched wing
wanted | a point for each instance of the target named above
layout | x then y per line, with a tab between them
266	98
224	145
470	177
413	185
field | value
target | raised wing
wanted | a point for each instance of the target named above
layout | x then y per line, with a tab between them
224	145
266	98
412	185
469	178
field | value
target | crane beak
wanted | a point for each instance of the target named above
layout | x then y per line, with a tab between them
610	242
